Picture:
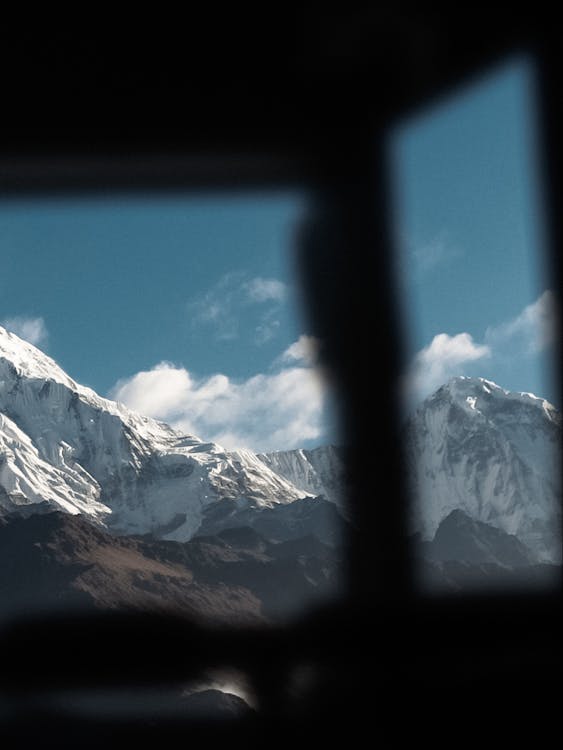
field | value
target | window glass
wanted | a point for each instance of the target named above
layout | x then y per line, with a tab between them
482	426
164	437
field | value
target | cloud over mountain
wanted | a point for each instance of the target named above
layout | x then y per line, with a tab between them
529	333
32	329
443	358
274	411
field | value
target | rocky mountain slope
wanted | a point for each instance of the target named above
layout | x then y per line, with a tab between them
317	472
493	454
483	463
311	517
59	561
459	537
62	444
468	556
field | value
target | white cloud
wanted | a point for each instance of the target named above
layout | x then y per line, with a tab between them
266	330
305	349
220	307
265	412
445	357
33	330
216	309
435	253
418	259
265	290
530	332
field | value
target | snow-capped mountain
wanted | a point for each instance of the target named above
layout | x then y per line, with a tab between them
62	444
319	471
494	454
472	446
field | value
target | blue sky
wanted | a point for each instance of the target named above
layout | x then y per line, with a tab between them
186	307
121	282
475	287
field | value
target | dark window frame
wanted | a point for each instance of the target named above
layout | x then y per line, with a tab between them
384	647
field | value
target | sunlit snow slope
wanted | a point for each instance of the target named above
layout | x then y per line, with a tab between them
319	471
62	444
492	453
471	446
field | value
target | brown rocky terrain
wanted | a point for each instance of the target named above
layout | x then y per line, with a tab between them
56	561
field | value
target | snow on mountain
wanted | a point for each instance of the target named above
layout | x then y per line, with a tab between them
317	472
26	478
494	454
471	446
63	444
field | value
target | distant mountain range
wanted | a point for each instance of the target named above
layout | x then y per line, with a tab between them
63	445
103	507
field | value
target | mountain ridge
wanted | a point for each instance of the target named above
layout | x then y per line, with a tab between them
471	446
63	444
62	561
316	471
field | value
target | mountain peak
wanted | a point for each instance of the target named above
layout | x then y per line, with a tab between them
477	395
62	444
29	361
492	453
461	537
21	361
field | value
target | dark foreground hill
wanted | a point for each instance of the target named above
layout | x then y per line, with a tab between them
467	555
56	561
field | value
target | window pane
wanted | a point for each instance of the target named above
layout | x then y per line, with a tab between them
482	426
164	438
